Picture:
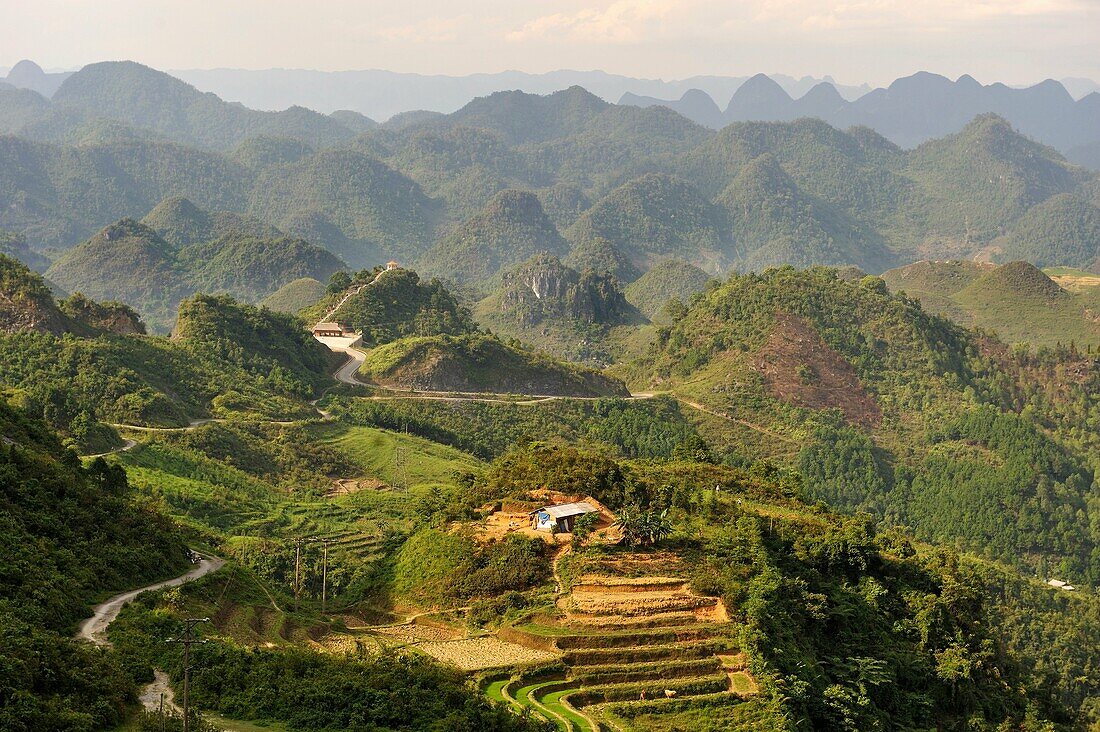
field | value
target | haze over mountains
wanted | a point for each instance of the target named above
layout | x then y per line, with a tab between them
912	109
470	195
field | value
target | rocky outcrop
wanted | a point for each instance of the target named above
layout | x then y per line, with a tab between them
543	288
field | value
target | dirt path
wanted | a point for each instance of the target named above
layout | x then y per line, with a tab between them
150	695
352	292
194	424
127	445
554	567
722	415
94	629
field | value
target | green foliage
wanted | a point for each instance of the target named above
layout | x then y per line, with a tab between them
309	691
1016	300
70	534
669	280
852	634
130	262
482	363
371	204
657	216
1061	231
227	358
293	297
508	231
650	428
960	454
397	304
439	569
774	222
643	528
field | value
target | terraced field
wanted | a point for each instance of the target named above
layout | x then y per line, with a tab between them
634	648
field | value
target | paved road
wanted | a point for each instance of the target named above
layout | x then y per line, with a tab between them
346	373
94	629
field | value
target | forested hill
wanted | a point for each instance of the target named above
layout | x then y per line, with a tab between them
70	534
178	250
473	193
887	408
82	365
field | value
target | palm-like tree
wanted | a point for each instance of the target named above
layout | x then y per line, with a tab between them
643	528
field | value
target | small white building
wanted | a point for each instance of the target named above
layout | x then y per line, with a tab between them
1059	584
561	517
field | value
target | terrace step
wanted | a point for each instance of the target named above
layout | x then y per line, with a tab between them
649	671
637	603
641	654
624	622
682	688
648	636
597	584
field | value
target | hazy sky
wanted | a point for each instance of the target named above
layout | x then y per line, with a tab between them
1017	41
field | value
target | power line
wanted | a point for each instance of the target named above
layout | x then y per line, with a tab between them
187	640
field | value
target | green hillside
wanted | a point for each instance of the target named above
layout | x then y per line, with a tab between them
129	262
71	534
672	279
773	222
1062	231
132	262
463	166
393	304
509	230
1016	301
480	363
28	303
54	196
295	296
573	315
95	367
658	216
888	409
145	98
954	175
368	200
15	245
181	223
630	185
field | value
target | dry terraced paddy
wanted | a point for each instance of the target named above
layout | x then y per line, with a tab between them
476	654
636	647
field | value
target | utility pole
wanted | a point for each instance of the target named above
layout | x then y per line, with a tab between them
400	470
187	640
297	569
324	572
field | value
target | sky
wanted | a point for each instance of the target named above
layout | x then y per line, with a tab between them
875	41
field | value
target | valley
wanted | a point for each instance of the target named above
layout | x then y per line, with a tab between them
547	413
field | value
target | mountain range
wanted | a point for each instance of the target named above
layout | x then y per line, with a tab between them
468	195
910	111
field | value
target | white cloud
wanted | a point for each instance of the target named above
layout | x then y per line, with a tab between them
912	14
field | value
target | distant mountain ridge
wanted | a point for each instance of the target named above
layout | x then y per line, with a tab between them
910	111
382	94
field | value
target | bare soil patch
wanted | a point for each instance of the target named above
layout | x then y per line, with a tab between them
347	486
801	369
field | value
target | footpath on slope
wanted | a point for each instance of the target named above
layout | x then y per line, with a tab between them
94	629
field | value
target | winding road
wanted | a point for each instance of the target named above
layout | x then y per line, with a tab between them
94	629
